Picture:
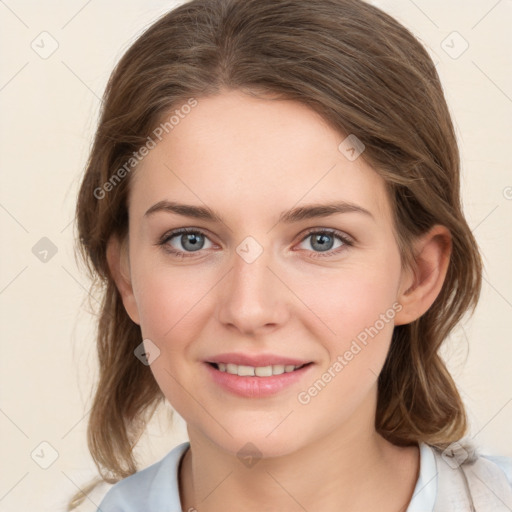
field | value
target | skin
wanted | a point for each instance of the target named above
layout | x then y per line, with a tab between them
249	159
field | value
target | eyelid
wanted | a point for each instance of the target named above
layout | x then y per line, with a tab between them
345	237
180	231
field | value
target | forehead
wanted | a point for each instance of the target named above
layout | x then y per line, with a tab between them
253	155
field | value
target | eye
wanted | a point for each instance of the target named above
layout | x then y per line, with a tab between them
188	241
323	241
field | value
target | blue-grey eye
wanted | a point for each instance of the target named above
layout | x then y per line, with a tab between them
191	241
323	241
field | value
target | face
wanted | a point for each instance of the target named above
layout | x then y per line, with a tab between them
252	279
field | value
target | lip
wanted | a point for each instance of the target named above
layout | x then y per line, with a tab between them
256	387
255	360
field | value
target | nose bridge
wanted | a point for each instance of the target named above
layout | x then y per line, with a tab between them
252	297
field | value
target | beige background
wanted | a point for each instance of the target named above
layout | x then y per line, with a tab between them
49	110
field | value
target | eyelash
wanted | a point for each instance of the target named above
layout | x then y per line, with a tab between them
347	242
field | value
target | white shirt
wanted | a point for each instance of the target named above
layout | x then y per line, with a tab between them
155	489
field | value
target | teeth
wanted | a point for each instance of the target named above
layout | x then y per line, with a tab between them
260	371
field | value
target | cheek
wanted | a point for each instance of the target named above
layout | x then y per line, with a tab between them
357	307
337	305
360	308
167	298
172	308
348	300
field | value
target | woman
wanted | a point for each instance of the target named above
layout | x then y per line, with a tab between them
272	203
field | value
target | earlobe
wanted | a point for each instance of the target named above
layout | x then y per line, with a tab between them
421	286
119	265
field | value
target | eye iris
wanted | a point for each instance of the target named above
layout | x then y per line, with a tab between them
192	238
321	239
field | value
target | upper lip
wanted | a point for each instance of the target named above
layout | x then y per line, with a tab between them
258	360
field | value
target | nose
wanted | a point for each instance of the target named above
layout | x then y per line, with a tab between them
252	298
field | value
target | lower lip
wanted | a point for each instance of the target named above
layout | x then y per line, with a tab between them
256	387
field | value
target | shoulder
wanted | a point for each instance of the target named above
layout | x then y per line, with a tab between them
468	479
465	453
147	489
503	462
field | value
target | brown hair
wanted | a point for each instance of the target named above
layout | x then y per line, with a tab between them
366	75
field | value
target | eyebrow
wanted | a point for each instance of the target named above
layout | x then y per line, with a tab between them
287	217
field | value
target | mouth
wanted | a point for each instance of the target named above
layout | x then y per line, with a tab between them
257	381
257	371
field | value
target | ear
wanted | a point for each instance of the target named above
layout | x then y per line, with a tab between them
421	285
119	265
